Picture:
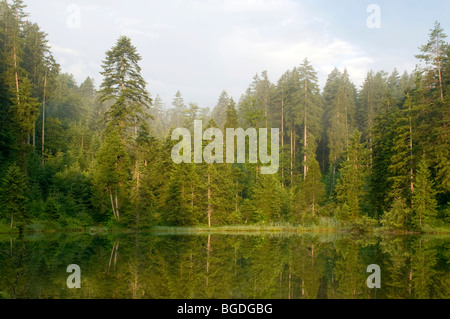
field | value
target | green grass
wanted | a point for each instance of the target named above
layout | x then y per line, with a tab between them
323	224
319	225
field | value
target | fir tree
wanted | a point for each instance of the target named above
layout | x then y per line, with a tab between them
112	170
434	53
311	192
14	198
124	85
402	160
424	198
351	187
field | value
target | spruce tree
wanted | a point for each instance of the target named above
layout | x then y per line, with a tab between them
351	187
308	97
424	198
14	198
112	170
402	160
434	53
220	110
125	87
268	198
311	192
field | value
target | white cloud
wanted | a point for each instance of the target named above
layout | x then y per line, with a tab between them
251	6
64	51
247	50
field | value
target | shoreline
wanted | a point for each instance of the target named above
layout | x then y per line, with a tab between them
230	229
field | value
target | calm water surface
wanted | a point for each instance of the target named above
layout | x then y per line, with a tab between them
155	265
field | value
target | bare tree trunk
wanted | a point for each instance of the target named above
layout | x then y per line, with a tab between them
15	72
305	141
439	67
112	203
208	250
192	194
209	200
411	174
282	139
305	145
237	195
138	175
292	163
117	206
43	117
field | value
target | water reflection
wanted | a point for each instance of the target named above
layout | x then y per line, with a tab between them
224	266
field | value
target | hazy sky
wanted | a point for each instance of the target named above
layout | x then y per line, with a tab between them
202	47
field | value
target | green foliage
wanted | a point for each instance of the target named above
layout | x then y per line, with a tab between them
89	157
125	87
267	199
351	187
14	199
363	225
424	197
398	217
310	194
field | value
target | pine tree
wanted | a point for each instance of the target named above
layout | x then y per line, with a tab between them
339	99
124	85
398	217
308	97
179	207
351	186
434	53
424	198
402	160
219	111
14	198
311	192
178	111
219	193
112	170
268	198
231	116
24	107
372	98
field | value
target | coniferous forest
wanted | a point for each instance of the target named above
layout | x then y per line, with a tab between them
360	157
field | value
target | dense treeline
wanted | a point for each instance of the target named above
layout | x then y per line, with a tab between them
75	156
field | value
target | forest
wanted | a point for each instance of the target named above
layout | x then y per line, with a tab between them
81	155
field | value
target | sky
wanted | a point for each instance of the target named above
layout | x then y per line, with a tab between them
202	47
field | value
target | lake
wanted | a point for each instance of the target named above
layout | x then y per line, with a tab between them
191	266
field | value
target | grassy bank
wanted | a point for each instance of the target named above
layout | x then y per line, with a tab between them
322	225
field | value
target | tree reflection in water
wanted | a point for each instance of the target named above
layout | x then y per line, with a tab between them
263	266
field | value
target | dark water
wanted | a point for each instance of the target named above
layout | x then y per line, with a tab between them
224	266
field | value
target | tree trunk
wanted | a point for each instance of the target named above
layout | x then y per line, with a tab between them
192	195
209	200
439	67
305	145
237	196
292	163
112	203
411	174
282	140
138	175
117	206
208	250
305	141
43	117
